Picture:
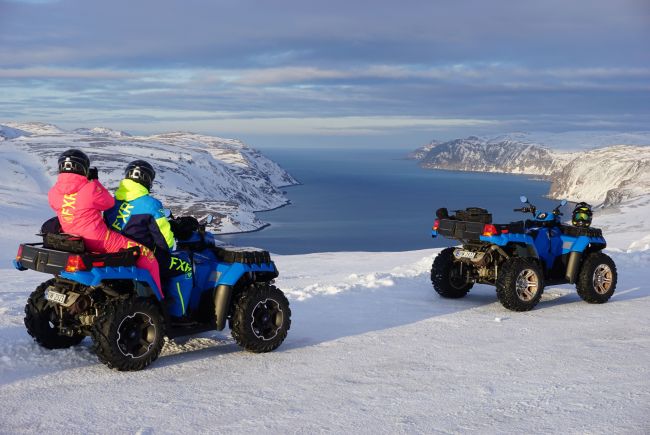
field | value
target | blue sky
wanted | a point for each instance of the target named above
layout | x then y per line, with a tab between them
328	72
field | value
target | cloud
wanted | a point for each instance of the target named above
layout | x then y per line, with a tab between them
329	68
245	33
43	73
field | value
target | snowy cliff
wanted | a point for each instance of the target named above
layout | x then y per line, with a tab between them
606	175
196	174
492	155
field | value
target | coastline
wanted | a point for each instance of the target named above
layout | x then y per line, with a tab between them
265	224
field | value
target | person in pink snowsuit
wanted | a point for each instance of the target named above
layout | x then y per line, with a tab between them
79	199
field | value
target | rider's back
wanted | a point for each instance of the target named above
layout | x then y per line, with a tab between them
79	203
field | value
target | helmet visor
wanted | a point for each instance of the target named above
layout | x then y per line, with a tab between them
581	216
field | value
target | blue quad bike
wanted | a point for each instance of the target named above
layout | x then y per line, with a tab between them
522	257
106	297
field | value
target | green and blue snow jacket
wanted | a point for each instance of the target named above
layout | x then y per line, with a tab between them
140	217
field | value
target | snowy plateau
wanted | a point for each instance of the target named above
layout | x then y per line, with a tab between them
372	349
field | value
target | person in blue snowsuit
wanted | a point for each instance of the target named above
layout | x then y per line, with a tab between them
141	217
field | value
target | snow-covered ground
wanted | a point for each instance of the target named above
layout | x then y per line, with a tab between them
372	349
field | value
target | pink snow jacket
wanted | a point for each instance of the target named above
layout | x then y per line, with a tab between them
79	203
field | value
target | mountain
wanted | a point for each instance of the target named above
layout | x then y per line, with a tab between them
606	175
10	133
196	174
481	155
101	131
421	152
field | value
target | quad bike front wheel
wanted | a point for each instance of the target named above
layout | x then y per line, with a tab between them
597	278
128	335
41	321
519	284
447	276
261	318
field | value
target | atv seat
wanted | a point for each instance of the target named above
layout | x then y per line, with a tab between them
64	242
570	230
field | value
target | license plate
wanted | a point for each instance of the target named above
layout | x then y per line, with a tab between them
465	254
57	297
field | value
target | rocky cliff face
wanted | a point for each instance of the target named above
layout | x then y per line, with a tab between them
196	174
421	152
605	176
479	155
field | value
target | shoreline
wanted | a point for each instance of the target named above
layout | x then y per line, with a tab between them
266	224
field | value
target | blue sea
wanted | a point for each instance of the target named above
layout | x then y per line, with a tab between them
375	200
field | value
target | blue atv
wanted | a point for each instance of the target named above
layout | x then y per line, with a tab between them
106	297
521	257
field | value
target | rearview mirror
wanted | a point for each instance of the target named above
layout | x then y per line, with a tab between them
523	199
167	212
208	219
563	202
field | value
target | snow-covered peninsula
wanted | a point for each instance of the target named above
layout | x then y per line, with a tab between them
196	174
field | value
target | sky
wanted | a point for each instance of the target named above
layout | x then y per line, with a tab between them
306	73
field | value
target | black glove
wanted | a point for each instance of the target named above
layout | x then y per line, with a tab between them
92	173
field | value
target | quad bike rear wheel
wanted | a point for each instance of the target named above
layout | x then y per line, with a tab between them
41	321
519	284
597	278
128	335
447	276
261	318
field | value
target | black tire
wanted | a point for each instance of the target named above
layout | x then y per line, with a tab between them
41	318
597	278
520	284
446	276
261	318
128	335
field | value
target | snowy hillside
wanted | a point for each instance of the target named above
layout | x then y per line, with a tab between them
196	174
421	152
480	155
604	176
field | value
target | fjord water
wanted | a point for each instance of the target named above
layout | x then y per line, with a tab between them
375	200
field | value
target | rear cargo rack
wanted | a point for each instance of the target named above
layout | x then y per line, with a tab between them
36	257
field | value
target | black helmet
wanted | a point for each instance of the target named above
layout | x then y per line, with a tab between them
582	214
141	172
74	161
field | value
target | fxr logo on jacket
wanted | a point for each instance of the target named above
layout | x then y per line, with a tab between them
69	201
123	214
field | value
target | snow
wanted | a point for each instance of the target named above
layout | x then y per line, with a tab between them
626	225
604	175
372	349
